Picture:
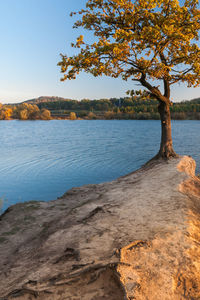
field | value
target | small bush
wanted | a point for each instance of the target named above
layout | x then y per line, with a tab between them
72	116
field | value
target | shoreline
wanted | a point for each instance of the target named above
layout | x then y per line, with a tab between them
98	119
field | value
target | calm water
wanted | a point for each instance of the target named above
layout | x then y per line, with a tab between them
41	160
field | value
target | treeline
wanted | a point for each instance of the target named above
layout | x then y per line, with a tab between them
134	107
24	111
120	108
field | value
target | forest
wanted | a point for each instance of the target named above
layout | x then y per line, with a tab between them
23	111
134	107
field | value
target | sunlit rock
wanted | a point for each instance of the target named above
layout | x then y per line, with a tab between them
136	237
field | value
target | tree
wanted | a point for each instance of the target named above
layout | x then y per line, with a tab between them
5	112
72	116
143	40
92	116
45	114
25	111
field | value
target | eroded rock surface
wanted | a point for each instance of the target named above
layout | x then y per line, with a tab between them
137	237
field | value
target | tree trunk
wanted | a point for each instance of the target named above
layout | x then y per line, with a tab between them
166	147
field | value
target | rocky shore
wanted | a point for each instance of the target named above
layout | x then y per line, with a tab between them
137	237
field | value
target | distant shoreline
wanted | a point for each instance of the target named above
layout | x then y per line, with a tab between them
99	119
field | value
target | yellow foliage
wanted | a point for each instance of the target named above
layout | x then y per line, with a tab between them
26	111
45	114
23	114
72	116
5	113
143	40
23	111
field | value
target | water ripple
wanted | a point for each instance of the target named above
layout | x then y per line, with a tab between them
41	160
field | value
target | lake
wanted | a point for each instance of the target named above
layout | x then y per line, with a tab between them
41	160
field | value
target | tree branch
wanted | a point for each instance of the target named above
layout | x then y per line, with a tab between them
154	90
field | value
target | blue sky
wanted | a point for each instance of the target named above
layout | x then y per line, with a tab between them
33	34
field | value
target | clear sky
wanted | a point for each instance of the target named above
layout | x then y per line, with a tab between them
33	34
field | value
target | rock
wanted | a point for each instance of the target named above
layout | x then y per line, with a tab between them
137	237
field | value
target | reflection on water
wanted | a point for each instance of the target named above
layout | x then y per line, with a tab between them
41	160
